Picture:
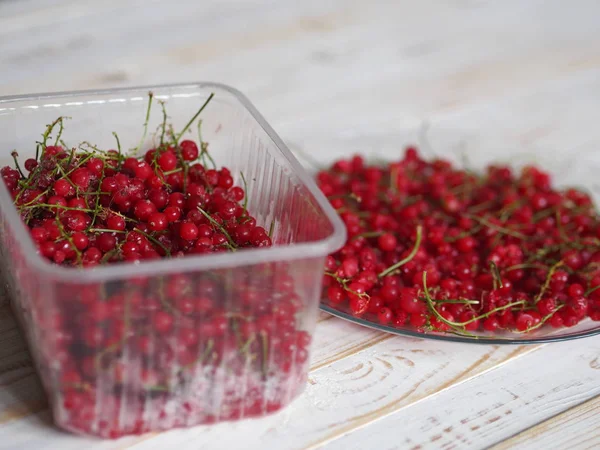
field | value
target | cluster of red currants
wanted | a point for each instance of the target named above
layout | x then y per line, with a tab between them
443	249
154	352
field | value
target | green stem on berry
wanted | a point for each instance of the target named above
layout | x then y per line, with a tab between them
139	146
410	256
60	130
245	205
48	131
559	225
542	214
158	388
237	315
463	333
71	156
66	177
526	266
120	161
189	124
220	227
541	322
466	233
246	345
590	290
69	239
203	357
105	230
458	301
166	304
153	240
546	284
496	275
179	169
31	205
204	149
108	255
264	339
15	157
480	207
507	211
394	179
351	196
495	227
82	387
344	283
164	123
452	324
185	167
368	234
96	206
271	229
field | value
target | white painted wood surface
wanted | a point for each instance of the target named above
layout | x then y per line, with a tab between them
526	70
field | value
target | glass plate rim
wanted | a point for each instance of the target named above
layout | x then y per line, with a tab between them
460	339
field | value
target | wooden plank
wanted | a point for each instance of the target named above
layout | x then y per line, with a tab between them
491	408
578	428
352	393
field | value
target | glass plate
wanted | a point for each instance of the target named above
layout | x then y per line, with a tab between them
466	148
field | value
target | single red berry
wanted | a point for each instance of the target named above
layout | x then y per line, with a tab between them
81	178
80	240
385	315
30	164
188	231
387	242
189	150
106	242
576	290
157	222
95	166
63	188
143	209
172	213
358	305
225	180
524	321
336	294
159	198
162	322
167	161
491	324
115	222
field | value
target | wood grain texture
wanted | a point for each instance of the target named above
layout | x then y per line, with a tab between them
495	406
529	71
577	427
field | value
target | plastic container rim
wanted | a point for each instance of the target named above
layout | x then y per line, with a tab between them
197	262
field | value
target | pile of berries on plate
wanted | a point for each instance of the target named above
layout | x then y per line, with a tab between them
153	352
443	249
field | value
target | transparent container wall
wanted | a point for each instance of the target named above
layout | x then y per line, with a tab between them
142	350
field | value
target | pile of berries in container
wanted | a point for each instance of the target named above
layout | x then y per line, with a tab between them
172	289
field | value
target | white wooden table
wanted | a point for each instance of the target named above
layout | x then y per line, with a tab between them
529	70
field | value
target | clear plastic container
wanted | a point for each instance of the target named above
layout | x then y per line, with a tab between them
109	377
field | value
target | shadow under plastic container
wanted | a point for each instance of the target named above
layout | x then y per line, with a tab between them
249	355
